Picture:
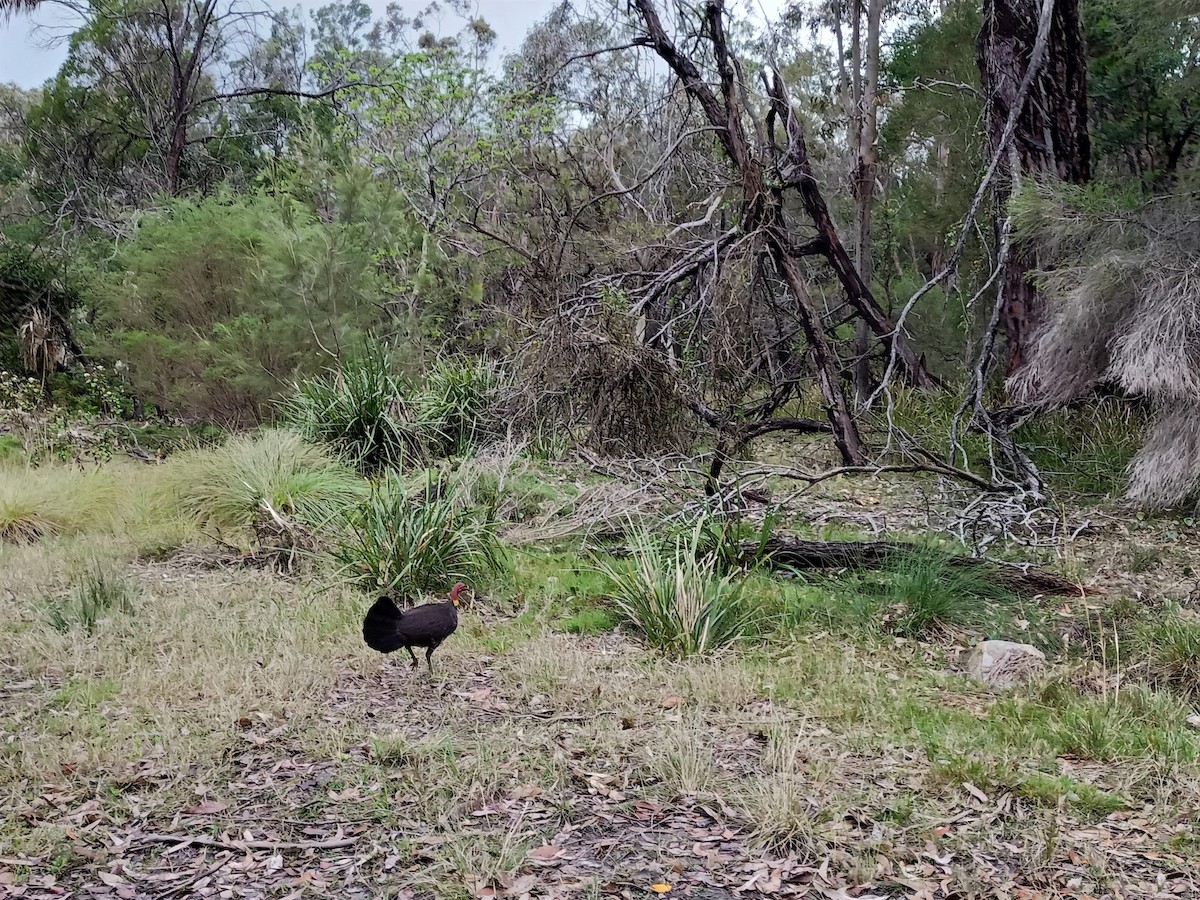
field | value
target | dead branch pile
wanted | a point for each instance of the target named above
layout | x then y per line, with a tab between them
591	373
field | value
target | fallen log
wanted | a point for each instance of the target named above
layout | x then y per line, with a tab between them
784	552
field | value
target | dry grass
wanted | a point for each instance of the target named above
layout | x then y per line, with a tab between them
54	500
852	755
203	651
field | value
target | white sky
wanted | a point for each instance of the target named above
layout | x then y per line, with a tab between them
33	47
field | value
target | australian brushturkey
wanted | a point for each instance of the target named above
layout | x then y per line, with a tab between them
386	628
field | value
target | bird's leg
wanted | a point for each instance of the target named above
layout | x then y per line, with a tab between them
413	655
429	659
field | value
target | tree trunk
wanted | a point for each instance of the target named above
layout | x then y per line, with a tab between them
1051	138
867	130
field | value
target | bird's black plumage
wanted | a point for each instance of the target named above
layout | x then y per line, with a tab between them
386	628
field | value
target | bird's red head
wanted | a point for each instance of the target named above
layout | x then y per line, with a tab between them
455	591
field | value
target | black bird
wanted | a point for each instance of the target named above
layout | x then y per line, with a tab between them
386	628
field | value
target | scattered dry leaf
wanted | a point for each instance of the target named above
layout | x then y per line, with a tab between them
207	808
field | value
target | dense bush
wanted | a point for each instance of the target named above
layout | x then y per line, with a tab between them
218	305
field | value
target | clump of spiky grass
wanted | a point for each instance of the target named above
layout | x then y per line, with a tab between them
674	596
454	406
101	591
407	542
358	410
227	488
51	500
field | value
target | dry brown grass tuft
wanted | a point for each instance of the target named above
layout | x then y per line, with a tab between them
203	651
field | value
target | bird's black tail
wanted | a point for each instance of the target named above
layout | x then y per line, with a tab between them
381	627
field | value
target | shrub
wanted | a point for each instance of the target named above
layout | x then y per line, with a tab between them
228	487
673	596
358	411
405	543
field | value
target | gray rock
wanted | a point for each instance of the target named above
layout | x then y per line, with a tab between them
1004	664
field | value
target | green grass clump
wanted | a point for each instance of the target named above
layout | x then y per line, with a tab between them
358	412
1168	649
51	500
589	622
674	597
454	405
100	592
405	544
922	591
1086	450
225	488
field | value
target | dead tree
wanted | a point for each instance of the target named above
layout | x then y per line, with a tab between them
768	157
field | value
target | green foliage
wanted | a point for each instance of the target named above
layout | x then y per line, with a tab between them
359	412
229	487
217	305
1167	649
1086	450
366	412
11	449
454	406
675	598
100	592
922	591
19	392
407	542
588	621
1142	77
722	539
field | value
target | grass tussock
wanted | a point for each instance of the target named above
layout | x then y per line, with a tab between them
226	488
101	591
37	503
358	411
922	592
674	598
407	542
455	403
376	419
1167	651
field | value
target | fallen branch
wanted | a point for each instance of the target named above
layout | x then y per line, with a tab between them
331	844
795	553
